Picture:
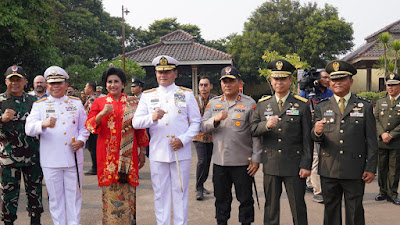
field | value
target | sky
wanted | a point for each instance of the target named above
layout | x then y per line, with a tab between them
219	18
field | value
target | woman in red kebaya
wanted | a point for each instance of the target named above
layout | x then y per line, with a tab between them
118	162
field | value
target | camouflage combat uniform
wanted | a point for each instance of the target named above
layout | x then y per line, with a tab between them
19	153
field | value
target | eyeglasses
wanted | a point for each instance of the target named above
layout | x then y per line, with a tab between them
203	85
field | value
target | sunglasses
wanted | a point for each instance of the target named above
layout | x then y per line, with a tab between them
203	85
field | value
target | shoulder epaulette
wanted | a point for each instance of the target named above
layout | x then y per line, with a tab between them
323	100
150	90
264	98
185	89
362	98
40	100
300	98
73	97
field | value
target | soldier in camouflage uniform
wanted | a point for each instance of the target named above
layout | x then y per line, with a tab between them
18	152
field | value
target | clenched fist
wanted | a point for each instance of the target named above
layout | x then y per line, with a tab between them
49	122
7	115
221	116
319	126
158	114
272	121
107	109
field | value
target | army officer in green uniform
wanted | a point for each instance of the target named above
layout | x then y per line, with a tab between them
387	115
284	123
346	129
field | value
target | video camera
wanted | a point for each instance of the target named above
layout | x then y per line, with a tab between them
309	81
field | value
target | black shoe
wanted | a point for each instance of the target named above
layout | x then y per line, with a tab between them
35	220
395	201
91	172
310	190
318	198
8	223
222	223
200	195
380	197
205	191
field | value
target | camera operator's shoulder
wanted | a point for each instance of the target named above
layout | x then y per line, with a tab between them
264	98
298	97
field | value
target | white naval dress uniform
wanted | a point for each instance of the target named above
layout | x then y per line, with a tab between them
56	156
182	120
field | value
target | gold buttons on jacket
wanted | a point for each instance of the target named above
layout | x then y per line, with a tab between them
356	121
279	129
341	152
298	152
389	124
65	143
341	131
279	151
279	140
63	122
62	112
390	116
166	124
342	121
341	141
167	136
279	119
291	119
65	133
166	101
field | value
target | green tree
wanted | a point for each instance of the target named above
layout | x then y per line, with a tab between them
81	74
86	33
163	27
315	34
26	35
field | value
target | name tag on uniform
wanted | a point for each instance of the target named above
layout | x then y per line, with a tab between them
292	112
356	114
384	104
329	113
51	113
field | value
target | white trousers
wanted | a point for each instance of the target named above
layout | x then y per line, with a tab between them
165	180
65	200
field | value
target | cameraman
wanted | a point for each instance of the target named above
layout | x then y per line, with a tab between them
322	91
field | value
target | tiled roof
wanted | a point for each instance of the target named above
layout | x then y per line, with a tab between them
372	49
182	46
393	28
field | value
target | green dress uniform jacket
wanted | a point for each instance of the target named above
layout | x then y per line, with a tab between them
348	144
288	146
388	120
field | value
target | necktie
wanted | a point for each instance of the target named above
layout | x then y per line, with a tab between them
280	104
392	101
341	105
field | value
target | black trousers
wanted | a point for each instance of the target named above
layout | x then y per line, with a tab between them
204	153
388	171
223	178
295	189
333	190
92	146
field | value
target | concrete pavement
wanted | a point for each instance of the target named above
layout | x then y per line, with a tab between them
203	212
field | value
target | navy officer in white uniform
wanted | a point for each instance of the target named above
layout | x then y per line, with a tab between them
58	120
172	114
